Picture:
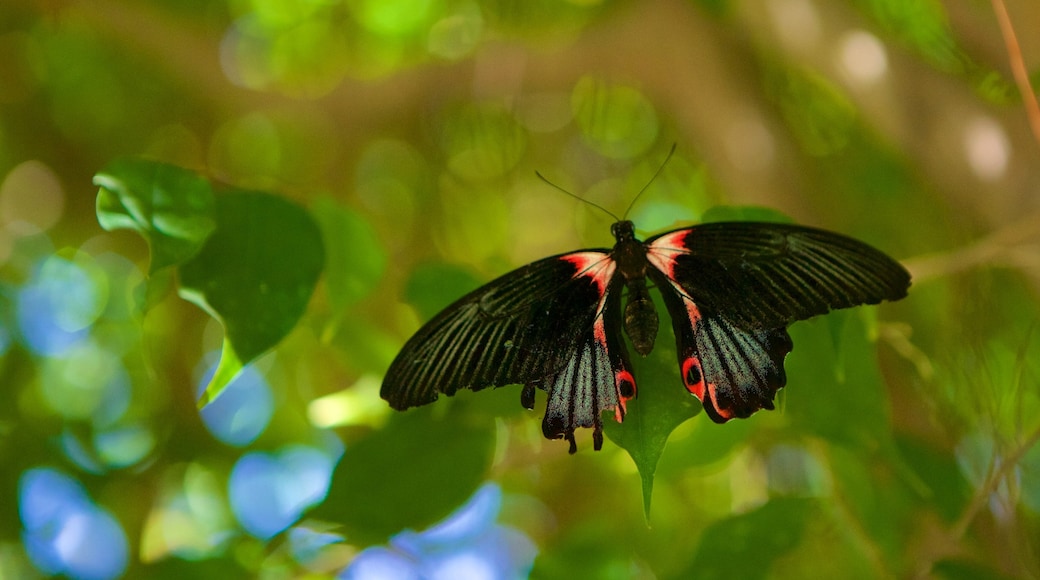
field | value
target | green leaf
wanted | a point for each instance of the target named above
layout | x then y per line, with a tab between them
171	207
255	274
744	213
921	24
818	113
834	387
961	569
947	491
411	473
356	256
432	287
746	546
661	405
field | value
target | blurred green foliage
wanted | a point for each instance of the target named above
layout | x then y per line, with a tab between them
396	143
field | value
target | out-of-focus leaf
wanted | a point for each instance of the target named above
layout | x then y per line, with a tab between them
923	25
356	258
744	213
481	141
718	8
423	464
947	490
707	443
877	496
747	545
617	121
434	286
834	388
661	405
819	115
952	569
171	207
255	274
475	226
595	549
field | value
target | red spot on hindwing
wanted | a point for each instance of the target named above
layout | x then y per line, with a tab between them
693	376
626	389
721	415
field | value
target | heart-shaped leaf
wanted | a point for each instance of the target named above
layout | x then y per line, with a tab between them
422	465
255	274
661	405
747	545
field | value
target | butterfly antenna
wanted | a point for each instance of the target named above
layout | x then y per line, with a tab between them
652	178
579	198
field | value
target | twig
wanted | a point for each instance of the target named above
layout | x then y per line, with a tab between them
1000	247
1018	67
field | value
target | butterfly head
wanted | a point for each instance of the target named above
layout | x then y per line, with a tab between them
623	231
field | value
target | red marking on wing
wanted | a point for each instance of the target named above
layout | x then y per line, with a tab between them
726	414
661	254
693	363
662	251
599	268
620	379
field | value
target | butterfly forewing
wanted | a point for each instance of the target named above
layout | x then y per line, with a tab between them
551	325
765	275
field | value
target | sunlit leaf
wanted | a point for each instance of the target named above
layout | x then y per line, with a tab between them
255	274
171	207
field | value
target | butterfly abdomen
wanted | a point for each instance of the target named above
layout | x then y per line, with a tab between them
640	317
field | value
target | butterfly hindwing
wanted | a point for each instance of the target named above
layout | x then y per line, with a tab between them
732	370
731	290
551	324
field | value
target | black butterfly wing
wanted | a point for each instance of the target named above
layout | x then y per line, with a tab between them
766	275
552	324
733	288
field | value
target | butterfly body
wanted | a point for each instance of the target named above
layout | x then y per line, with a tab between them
731	289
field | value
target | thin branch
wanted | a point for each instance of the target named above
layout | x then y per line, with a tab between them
1001	247
1002	471
1018	67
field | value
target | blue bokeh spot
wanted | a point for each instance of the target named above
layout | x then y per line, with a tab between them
467	544
269	492
241	413
64	532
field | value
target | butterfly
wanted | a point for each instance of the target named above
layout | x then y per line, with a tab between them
731	290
